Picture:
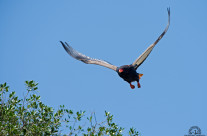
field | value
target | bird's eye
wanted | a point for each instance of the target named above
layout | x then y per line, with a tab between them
121	70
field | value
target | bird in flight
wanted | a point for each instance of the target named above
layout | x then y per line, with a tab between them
127	72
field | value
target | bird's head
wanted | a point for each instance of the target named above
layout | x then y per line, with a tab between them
123	70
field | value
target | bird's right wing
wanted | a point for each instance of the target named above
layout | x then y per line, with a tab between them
77	55
146	53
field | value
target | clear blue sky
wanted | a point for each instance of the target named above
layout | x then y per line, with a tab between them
173	93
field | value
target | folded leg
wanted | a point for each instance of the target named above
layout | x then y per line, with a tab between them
132	86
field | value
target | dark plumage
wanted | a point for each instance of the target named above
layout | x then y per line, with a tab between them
127	72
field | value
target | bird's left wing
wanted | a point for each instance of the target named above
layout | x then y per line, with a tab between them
77	55
146	53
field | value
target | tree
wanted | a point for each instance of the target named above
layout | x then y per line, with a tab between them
29	116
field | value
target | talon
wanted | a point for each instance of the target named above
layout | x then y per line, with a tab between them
138	84
140	75
132	86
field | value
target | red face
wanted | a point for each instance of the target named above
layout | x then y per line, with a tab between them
121	70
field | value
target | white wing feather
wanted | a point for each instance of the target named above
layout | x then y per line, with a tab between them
77	55
146	53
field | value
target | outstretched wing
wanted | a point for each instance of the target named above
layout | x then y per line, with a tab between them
146	53
77	55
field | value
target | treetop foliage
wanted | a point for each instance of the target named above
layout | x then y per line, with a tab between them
29	116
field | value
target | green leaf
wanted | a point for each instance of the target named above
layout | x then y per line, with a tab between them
29	116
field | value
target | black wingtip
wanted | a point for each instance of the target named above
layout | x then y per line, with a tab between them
64	46
168	10
61	42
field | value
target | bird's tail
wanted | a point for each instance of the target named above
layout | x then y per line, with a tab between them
140	75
